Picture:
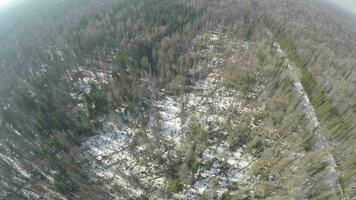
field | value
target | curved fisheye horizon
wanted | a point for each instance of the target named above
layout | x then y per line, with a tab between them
177	99
349	5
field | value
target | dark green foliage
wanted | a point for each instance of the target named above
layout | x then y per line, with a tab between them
174	186
318	168
354	107
62	180
241	139
226	196
9	117
209	164
84	132
193	165
309	143
157	19
59	120
258	146
84	22
53	148
97	102
326	112
16	196
65	185
254	4
56	119
27	102
249	31
144	40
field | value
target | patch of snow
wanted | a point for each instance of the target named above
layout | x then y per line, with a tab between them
112	157
15	164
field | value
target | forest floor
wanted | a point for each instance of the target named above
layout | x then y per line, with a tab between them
117	155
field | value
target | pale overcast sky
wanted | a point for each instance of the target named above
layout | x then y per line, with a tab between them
347	4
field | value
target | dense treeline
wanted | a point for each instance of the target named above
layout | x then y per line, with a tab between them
145	46
326	67
133	39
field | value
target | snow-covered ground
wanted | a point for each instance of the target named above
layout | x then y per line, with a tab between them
112	157
209	102
112	160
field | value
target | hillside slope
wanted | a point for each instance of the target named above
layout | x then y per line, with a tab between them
153	99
